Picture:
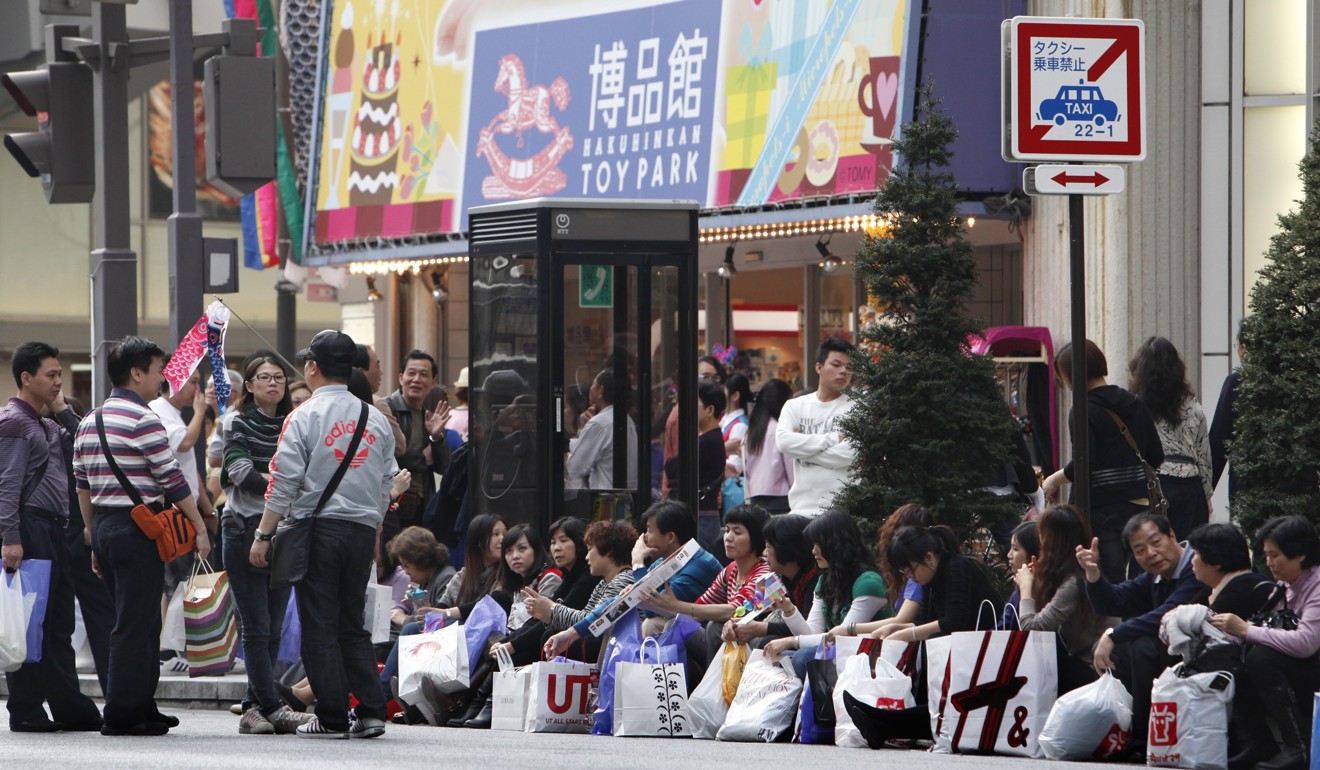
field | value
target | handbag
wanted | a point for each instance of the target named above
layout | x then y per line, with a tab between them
1154	492
171	530
210	621
292	543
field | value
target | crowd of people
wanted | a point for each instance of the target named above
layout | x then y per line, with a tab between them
1102	581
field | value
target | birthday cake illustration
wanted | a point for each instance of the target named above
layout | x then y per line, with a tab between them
376	131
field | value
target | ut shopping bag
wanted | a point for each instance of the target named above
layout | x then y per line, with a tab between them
440	657
650	699
14	613
625	646
210	622
816	710
36	590
706	704
873	681
291	632
1189	719
766	703
559	696
1091	722
1002	685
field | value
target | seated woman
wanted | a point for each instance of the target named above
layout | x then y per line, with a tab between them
1023	551
905	594
1053	597
1281	669
787	554
481	557
744	542
609	557
1222	561
848	591
955	589
426	562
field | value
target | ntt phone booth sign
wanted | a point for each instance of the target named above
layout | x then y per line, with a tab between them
1075	88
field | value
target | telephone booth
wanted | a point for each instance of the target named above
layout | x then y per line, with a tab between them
1024	364
583	334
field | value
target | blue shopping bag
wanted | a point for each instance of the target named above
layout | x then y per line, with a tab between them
35	574
625	646
291	632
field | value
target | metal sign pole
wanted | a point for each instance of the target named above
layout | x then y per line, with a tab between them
1081	490
187	279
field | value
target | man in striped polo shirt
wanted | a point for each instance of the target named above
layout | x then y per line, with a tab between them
34	508
121	554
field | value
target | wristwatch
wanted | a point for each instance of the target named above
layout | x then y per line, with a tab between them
262	536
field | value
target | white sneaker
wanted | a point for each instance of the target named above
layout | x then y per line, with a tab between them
253	723
313	729
236	709
366	727
176	666
287	721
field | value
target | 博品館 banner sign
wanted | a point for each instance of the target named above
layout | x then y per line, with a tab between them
739	102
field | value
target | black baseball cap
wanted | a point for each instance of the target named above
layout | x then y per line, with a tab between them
332	350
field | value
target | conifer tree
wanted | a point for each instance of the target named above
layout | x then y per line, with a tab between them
930	424
1275	451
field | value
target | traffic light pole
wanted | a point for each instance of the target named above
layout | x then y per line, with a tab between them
113	261
187	279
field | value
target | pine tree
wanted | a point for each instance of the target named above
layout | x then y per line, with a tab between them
930	424
1276	448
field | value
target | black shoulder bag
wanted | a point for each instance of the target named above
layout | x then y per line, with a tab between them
1154	493
292	544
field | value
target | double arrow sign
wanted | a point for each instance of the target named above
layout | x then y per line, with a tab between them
1058	179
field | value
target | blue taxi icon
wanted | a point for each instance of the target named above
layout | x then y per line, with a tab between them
1080	103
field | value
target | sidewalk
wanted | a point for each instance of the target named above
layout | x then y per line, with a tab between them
207	692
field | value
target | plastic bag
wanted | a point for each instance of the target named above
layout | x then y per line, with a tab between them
1091	722
766	704
887	687
36	591
290	632
487	618
174	635
734	659
14	612
706	705
1189	719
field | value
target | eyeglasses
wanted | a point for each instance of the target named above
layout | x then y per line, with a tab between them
278	379
706	376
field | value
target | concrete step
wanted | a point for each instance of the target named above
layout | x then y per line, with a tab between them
205	692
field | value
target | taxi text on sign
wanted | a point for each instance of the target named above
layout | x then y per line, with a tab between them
1076	89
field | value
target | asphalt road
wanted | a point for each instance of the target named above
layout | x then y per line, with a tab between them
210	739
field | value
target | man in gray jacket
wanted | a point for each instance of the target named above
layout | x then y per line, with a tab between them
336	649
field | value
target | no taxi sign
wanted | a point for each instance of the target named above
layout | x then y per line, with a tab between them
1074	89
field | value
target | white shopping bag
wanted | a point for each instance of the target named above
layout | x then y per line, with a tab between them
509	699
937	692
886	688
766	703
15	610
650	699
902	655
706	706
376	613
1189	719
1001	687
559	697
439	656
1091	722
173	633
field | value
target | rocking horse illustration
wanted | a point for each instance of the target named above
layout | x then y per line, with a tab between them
528	108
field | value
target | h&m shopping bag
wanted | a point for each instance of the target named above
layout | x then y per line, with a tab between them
1001	687
937	692
210	622
902	655
875	682
650	699
559	696
1189	719
766	703
1091	722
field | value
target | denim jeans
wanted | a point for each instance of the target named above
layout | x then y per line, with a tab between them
336	646
54	678
261	610
391	669
134	574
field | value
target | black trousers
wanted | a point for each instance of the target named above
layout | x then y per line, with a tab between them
134	574
1188	508
1138	663
1273	676
94	602
53	679
1107	524
336	648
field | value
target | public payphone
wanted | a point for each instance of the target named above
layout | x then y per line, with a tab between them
582	338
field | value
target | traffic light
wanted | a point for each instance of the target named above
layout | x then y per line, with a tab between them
62	151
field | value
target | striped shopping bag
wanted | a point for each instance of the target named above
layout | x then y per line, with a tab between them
210	622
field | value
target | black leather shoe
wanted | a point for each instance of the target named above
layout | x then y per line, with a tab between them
166	719
473	709
141	728
483	718
42	725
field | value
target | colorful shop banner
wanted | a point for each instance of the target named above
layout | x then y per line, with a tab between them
732	102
